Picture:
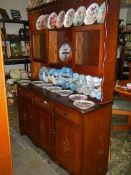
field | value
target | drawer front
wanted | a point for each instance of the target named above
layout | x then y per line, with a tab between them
42	102
67	113
24	92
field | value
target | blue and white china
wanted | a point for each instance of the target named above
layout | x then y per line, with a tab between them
101	13
91	14
52	71
97	81
82	80
42	72
64	52
79	16
73	86
69	17
66	72
75	77
87	90
98	95
90	81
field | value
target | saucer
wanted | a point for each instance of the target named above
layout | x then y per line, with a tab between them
84	104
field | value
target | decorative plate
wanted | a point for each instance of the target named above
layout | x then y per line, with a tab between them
101	13
38	22
43	21
60	19
52	20
54	89
79	16
64	52
46	86
37	82
24	82
69	17
84	104
64	92
77	97
91	14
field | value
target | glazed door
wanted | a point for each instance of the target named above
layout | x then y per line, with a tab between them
39	46
68	146
43	128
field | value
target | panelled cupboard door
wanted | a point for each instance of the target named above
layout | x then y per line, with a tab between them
43	128
39	45
68	146
88	42
23	118
26	120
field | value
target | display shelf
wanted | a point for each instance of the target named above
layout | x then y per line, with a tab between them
18	59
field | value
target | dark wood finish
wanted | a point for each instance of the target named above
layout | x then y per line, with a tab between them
98	57
88	55
126	94
26	117
39	46
56	39
77	139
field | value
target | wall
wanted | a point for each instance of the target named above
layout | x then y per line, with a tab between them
20	5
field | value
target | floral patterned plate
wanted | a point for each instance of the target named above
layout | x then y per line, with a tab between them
51	24
84	104
69	17
76	97
79	16
91	14
43	21
60	19
101	13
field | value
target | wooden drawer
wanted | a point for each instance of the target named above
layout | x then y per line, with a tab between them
24	92
67	113
42	102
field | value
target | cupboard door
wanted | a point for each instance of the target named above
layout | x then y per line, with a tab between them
89	46
39	46
68	146
23	119
26	122
43	128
